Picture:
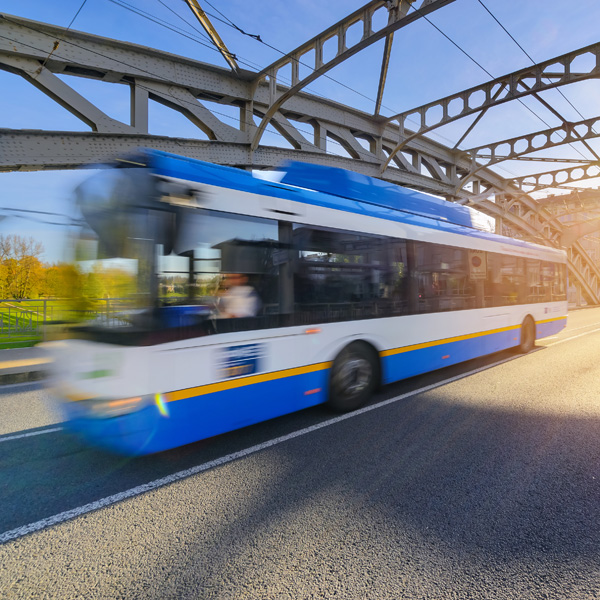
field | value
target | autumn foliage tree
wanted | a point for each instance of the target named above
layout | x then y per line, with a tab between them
24	276
22	273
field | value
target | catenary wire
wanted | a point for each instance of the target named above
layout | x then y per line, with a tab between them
164	79
230	23
530	58
212	48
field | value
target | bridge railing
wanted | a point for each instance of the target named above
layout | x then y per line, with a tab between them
26	322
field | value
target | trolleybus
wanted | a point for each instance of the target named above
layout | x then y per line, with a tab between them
348	282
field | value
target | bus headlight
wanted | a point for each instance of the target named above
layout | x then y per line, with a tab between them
103	408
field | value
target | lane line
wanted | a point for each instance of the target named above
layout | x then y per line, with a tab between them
31	434
584	326
180	475
157	483
574	337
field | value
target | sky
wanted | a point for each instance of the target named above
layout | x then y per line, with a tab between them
425	65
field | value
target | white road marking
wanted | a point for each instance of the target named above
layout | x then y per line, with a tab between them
8	438
157	483
584	326
573	337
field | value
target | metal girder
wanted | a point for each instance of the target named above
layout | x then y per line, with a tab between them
183	85
516	85
585	273
516	147
148	71
554	179
35	150
66	96
399	17
197	90
539	159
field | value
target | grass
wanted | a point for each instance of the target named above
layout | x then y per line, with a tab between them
18	343
22	322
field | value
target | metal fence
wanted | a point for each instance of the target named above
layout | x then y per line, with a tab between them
26	321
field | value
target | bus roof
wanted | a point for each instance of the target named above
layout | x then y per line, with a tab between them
334	188
348	184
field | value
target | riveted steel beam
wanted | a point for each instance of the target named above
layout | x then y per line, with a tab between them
400	16
554	179
516	147
33	150
576	199
518	84
579	230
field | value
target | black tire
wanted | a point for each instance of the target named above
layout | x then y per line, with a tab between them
353	378
527	342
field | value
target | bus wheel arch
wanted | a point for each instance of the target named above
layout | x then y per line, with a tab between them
527	335
354	375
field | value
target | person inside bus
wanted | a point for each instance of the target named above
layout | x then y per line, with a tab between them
237	298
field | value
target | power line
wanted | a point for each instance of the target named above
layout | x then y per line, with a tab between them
160	22
76	14
29	216
527	55
56	43
166	80
201	33
177	30
490	75
258	38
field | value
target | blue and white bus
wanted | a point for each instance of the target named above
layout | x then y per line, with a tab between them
355	282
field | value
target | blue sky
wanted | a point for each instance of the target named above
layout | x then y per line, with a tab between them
424	66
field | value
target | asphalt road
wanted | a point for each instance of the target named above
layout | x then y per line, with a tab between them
485	487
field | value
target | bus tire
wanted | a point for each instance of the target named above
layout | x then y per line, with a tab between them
353	378
527	342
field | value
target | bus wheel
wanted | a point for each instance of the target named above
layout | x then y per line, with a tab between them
354	375
527	336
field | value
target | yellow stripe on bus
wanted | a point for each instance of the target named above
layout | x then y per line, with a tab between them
458	338
231	384
550	320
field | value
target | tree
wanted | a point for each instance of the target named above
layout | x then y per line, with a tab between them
21	271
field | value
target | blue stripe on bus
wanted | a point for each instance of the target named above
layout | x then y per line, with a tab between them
201	416
170	165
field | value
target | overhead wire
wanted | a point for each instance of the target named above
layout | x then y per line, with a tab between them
230	23
76	15
436	134
161	22
29	217
532	61
490	75
159	77
258	38
526	53
68	27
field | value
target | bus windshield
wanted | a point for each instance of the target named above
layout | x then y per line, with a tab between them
125	226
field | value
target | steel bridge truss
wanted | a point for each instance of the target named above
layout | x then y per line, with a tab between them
314	129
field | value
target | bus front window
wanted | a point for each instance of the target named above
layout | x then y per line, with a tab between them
116	253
